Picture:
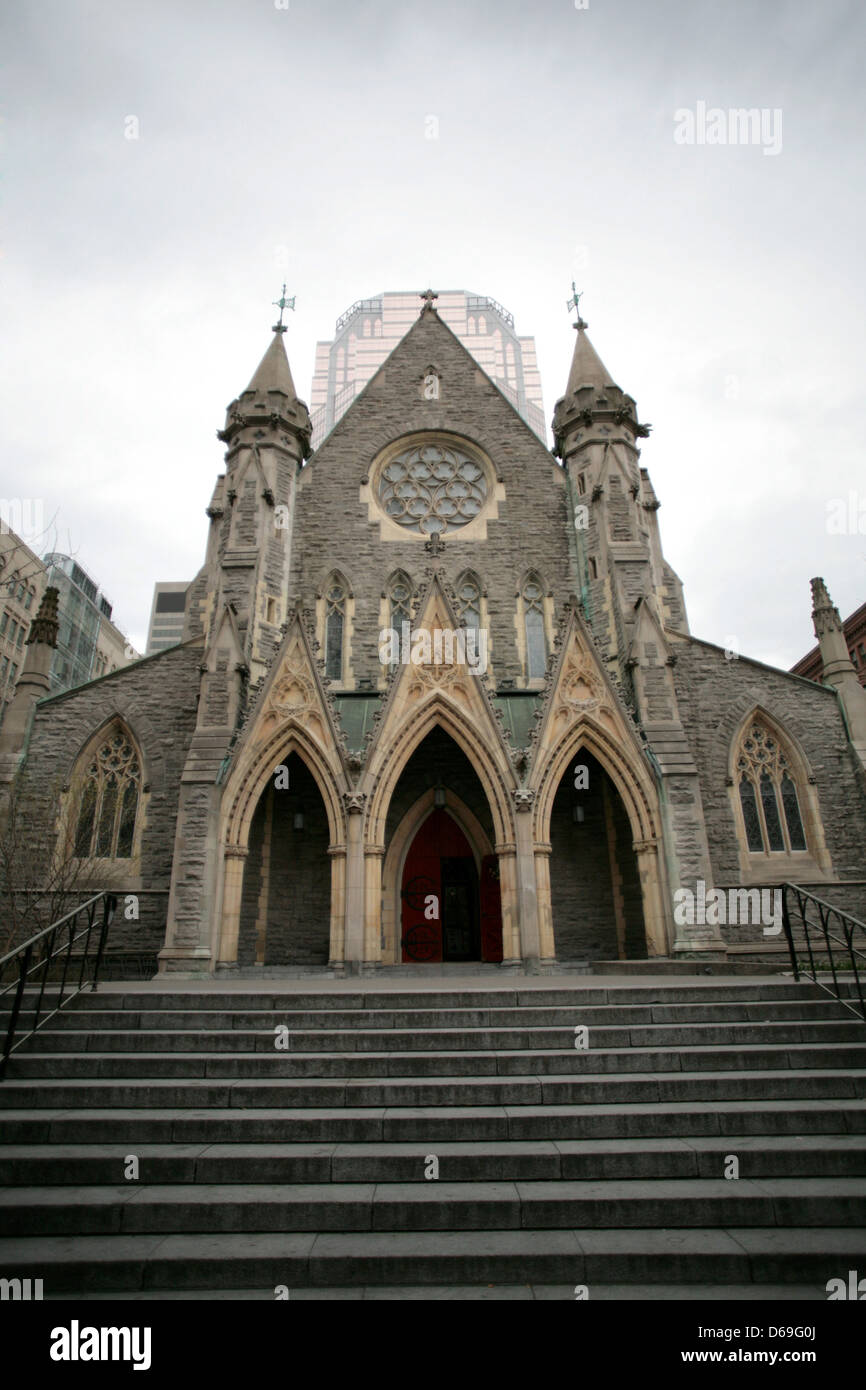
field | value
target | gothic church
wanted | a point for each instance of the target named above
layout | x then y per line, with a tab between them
280	790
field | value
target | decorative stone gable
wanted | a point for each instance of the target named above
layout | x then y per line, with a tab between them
439	686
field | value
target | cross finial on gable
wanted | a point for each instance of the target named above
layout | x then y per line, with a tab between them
428	296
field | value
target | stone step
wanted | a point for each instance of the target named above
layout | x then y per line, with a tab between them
488	1206
435	1091
427	1124
421	1021
305	1167
816	1156
637	1257
438	1065
49	1039
334	997
482	1293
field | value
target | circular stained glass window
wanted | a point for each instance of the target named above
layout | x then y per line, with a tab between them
432	488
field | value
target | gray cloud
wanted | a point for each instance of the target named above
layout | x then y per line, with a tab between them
138	275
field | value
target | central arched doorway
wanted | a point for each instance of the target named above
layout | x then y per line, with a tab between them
450	908
439	827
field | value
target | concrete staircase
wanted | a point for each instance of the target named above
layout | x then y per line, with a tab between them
558	1166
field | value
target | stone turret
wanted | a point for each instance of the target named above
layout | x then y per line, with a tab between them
239	604
33	683
267	432
838	666
595	429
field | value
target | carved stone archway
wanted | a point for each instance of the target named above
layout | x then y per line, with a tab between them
395	858
493	774
242	796
638	795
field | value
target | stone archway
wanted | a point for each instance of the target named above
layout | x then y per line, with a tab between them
491	774
595	891
285	910
397	854
637	793
242	800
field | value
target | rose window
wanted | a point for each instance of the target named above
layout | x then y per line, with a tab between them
432	489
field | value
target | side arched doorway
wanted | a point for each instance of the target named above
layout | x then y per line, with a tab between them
595	888
286	898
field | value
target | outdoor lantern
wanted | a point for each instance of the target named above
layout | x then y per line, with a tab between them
577	814
298	819
439	795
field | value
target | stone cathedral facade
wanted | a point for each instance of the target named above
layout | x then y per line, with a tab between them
528	774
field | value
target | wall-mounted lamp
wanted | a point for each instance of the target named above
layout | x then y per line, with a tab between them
577	814
298	819
438	795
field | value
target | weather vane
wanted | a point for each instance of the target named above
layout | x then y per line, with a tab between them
283	303
574	303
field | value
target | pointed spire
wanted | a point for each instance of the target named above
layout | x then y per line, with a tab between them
273	372
587	368
838	668
592	395
270	400
45	625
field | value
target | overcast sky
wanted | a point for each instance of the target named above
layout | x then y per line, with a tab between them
724	286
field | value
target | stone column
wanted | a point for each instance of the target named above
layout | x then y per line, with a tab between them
507	855
373	859
234	860
355	899
547	943
530	948
265	885
655	918
337	959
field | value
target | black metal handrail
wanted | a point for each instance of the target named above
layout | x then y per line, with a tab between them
43	946
831	921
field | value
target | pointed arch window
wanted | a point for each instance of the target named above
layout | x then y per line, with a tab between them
469	600
400	604
469	607
335	627
533	623
109	801
400	599
769	801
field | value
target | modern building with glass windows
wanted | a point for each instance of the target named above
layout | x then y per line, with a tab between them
166	615
89	644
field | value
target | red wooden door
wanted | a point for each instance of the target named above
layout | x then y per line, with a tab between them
421	892
491	909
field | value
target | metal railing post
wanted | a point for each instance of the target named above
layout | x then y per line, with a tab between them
42	947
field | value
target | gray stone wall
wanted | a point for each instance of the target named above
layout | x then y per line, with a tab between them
714	695
157	700
333	531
